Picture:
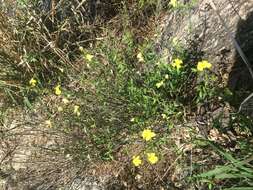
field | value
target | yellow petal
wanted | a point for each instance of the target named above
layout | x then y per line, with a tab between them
175	41
48	123
57	90
147	134
159	84
203	65
33	82
164	116
89	57
60	109
152	158
76	109
81	49
177	63
140	57
174	3
136	161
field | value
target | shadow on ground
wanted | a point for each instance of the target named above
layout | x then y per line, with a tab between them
239	77
240	81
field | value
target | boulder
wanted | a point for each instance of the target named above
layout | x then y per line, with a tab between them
201	23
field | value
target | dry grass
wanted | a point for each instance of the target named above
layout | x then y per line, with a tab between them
110	91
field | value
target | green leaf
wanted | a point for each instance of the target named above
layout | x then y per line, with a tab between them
233	176
216	171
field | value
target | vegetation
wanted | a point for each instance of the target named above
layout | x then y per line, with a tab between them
96	91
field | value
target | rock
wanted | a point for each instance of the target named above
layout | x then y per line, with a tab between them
202	23
202	33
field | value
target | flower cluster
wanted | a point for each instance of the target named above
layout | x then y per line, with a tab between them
203	65
152	158
177	64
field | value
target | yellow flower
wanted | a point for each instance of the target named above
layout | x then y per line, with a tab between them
140	57
48	123
152	158
61	69
89	57
81	49
60	109
173	3
147	134
175	41
136	161
164	116
65	100
159	84
57	90
203	65
33	82
76	110
177	63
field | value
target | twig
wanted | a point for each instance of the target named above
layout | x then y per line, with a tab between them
244	101
80	4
